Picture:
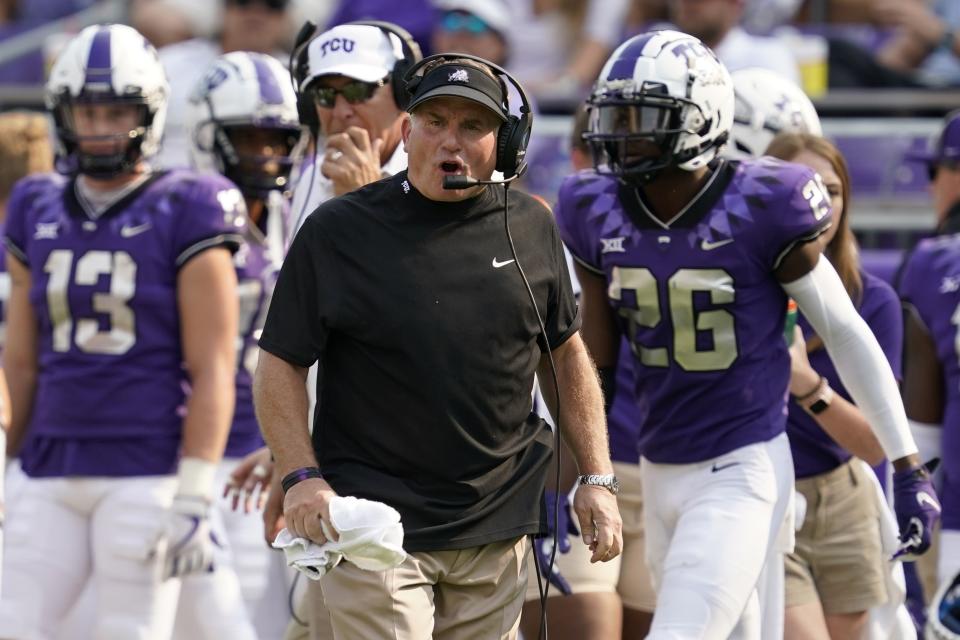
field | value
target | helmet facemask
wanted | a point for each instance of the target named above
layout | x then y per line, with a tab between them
258	158
634	135
104	155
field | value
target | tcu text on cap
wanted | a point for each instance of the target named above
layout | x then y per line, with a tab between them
335	44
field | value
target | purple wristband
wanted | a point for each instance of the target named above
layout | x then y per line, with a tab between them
299	475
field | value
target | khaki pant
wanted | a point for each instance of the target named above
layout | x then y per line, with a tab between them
838	559
312	611
474	593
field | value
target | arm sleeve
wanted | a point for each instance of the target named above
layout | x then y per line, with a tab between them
215	219
854	350
304	300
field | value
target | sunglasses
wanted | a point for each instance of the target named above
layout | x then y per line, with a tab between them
273	5
354	92
455	21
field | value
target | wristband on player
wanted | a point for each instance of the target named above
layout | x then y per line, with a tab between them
196	478
299	475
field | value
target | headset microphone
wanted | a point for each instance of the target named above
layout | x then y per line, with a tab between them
465	182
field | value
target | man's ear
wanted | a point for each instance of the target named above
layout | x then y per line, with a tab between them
405	127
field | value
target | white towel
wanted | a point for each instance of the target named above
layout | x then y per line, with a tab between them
371	537
890	620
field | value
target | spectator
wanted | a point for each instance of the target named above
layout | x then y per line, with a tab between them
924	52
571	41
416	16
166	22
926	40
477	27
248	25
717	24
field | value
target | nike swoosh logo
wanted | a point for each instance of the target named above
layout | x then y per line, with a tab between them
129	232
925	498
721	467
710	246
496	264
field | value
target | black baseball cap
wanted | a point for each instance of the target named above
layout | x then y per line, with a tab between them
463	81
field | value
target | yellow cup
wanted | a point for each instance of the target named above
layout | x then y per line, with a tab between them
811	52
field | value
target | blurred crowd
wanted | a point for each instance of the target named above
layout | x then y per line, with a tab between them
823	44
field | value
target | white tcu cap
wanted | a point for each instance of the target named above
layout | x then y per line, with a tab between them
362	52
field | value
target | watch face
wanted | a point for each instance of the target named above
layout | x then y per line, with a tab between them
819	406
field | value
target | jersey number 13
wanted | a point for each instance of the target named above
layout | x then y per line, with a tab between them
89	337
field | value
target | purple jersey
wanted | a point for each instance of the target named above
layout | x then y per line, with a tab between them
814	452
111	384
930	283
256	275
698	299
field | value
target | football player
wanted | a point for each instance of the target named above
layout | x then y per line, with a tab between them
121	352
244	124
692	257
929	285
765	104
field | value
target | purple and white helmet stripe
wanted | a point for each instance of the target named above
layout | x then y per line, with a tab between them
99	70
271	91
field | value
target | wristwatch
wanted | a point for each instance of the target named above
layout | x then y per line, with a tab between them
819	400
608	482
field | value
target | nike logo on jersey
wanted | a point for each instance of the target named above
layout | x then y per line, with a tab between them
721	467
612	245
126	231
925	498
710	246
496	264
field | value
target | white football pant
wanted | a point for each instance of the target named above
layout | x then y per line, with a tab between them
62	532
711	527
245	598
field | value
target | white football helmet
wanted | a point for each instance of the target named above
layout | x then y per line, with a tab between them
767	104
241	96
943	616
664	89
107	64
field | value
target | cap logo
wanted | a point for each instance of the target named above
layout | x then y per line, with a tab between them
460	75
337	44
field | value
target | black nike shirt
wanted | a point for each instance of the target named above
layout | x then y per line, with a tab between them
428	345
